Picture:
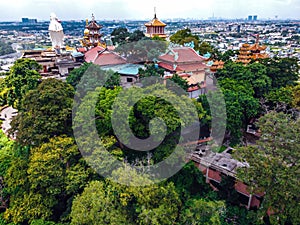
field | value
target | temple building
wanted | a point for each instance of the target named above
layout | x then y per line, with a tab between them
253	52
189	65
244	54
155	28
258	51
92	34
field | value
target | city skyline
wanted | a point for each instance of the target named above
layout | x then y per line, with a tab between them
14	10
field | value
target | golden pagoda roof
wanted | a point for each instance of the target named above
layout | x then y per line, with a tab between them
155	23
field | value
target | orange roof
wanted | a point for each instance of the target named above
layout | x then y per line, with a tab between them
256	47
155	23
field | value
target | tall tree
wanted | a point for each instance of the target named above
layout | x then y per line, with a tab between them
54	173
274	167
46	112
23	77
282	71
108	202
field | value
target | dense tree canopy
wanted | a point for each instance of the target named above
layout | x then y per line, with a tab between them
23	77
93	75
46	112
121	35
274	167
52	173
106	202
282	71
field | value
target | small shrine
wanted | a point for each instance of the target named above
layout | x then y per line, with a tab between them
155	28
92	34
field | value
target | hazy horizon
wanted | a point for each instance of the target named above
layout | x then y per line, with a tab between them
14	10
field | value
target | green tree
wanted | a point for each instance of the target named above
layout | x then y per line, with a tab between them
5	48
23	77
46	112
241	106
255	74
180	82
119	35
185	36
296	97
151	70
108	202
282	71
53	174
93	72
202	212
204	48
274	167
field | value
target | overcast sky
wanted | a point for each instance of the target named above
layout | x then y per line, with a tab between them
143	9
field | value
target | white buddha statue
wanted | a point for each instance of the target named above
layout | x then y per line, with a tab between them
56	32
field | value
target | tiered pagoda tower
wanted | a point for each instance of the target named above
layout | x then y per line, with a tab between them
258	50
155	27
253	52
244	54
92	34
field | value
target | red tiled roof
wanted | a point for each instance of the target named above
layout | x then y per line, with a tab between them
214	175
192	67
169	67
109	58
242	188
185	54
91	54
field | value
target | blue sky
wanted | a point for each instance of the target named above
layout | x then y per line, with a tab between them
143	9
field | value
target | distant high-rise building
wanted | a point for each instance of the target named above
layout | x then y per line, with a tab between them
27	20
250	18
255	17
238	28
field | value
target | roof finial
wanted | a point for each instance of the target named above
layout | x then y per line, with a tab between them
93	17
257	39
155	13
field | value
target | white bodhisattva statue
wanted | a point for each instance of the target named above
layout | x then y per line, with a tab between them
56	32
